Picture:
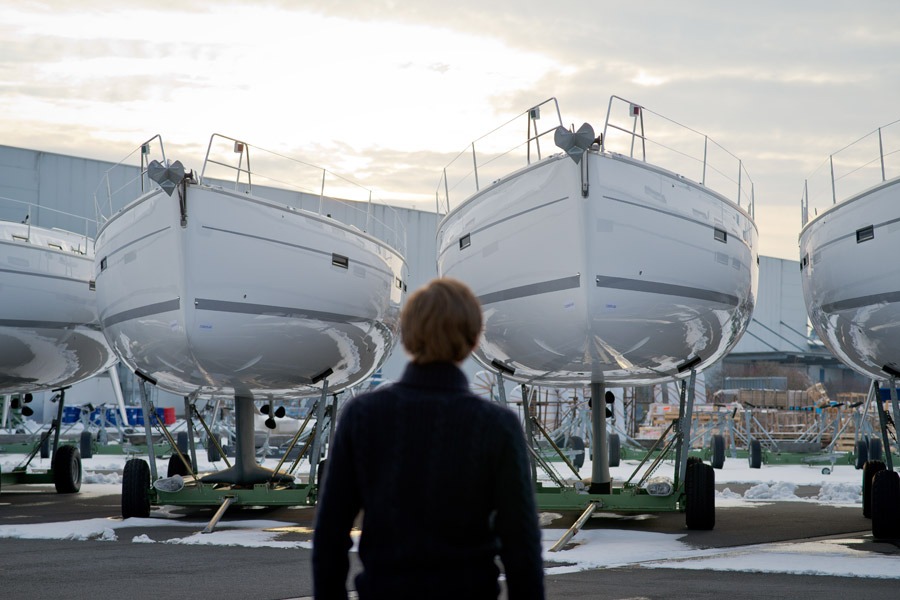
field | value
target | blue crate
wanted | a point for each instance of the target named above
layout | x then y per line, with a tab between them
109	417
136	415
886	393
71	414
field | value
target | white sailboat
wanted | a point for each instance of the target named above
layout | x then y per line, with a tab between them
604	262
596	263
49	332
850	286
207	287
234	289
50	337
846	250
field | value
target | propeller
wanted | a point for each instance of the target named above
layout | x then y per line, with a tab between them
27	411
273	414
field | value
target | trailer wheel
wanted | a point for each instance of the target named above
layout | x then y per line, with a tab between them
615	450
862	453
875	449
177	466
755	454
870	469
66	467
577	444
86	444
181	441
700	496
136	489
212	452
885	502
718	451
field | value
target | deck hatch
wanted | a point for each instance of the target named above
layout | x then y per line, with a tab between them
865	234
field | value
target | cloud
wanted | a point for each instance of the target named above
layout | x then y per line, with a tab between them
393	90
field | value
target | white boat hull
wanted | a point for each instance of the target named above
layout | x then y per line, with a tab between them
629	284
850	287
49	333
244	299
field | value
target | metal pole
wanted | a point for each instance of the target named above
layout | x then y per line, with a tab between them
896	408
189	421
529	434
317	443
5	417
333	424
601	482
705	144
446	192
145	409
804	203
59	419
881	153
882	421
322	193
686	423
752	199
833	190
528	137
117	392
475	166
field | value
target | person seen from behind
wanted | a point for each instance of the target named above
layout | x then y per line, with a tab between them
441	476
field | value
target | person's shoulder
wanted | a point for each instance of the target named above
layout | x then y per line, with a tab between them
492	409
371	397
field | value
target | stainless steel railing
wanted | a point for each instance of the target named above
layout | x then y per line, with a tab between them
867	162
672	146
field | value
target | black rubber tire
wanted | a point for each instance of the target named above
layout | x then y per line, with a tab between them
86	444
754	455
45	447
136	489
615	450
717	445
177	466
181	441
577	444
321	471
700	496
66	468
862	453
885	505
875	449
870	469
212	452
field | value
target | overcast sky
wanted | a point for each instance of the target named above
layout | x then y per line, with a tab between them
388	92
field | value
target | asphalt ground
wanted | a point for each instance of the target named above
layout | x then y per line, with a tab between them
120	568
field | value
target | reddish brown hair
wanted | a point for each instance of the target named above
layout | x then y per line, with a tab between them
441	322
